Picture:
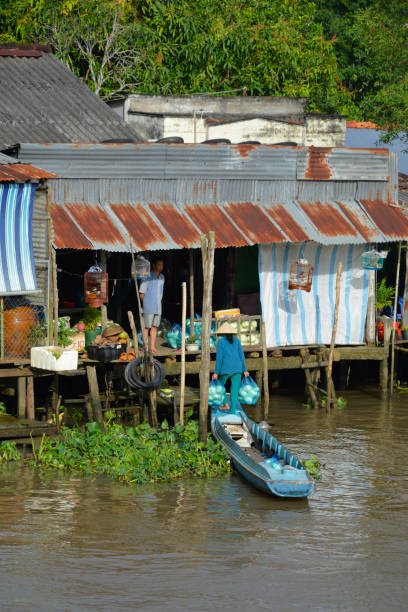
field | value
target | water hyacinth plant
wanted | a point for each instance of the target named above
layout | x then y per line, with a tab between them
135	455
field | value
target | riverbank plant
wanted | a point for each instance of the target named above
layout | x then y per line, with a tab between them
313	467
9	452
135	455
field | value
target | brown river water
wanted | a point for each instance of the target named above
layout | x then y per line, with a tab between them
74	543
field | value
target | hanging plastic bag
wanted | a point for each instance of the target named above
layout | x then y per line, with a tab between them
173	336
249	391
216	394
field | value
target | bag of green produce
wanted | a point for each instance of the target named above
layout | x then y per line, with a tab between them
249	392
216	394
173	336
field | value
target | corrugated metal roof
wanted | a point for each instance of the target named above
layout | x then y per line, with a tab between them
11	170
203	161
41	100
170	226
164	196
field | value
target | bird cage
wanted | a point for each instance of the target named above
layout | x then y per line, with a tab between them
301	274
96	287
373	260
141	268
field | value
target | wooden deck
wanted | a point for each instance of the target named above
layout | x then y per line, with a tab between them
12	428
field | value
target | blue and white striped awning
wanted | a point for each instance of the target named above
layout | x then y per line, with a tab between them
17	267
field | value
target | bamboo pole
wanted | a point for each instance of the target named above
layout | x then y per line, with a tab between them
207	250
370	320
134	333
331	353
50	307
104	308
265	371
55	294
394	318
183	350
191	283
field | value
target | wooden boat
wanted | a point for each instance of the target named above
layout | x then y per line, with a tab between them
259	457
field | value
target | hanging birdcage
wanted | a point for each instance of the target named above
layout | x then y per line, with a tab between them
301	274
373	260
96	287
141	268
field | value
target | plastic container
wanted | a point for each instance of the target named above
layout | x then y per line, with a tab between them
90	336
230	312
107	353
45	358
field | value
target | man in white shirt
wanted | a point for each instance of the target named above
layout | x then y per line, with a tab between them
151	293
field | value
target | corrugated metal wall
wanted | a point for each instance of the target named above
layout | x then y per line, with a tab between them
40	247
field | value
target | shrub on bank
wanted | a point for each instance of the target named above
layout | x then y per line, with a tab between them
135	455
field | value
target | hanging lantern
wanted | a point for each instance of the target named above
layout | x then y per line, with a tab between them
142	267
373	260
301	274
96	287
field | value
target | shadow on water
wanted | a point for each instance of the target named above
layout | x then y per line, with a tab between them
81	543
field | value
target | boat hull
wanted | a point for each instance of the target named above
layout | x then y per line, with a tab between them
292	481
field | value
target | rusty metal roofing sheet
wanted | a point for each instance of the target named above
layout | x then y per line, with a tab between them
325	163
390	219
66	233
11	169
159	226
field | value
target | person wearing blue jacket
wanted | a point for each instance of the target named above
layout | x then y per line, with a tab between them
230	362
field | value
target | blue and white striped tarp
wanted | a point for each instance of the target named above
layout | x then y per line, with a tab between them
294	317
17	268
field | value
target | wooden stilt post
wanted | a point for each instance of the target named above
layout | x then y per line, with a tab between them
57	412
30	411
21	396
104	308
191	284
310	385
394	320
94	395
331	353
265	372
2	327
207	250
183	349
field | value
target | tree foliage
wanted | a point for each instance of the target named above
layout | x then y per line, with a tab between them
345	56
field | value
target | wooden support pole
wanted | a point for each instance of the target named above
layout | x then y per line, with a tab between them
94	395
21	396
404	317
55	294
30	411
370	320
134	333
183	348
207	250
265	372
331	353
258	380
89	410
191	285
309	381
104	308
394	320
2	327
57	412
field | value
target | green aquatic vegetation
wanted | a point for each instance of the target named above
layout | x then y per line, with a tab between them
313	467
9	452
135	455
